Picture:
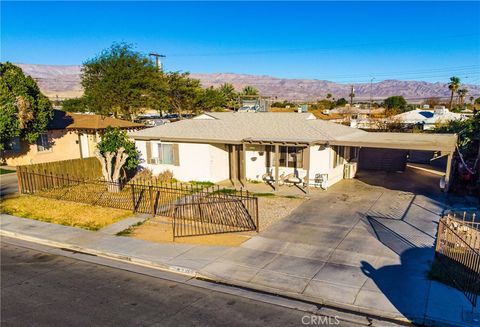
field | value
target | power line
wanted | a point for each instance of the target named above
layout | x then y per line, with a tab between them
272	51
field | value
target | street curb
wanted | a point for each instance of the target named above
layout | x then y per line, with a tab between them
321	303
368	313
108	255
211	279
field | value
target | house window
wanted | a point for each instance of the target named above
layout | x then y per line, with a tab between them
42	142
13	145
291	156
168	154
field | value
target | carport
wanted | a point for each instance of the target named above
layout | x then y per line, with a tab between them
388	151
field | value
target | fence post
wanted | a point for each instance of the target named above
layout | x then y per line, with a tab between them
439	235
256	214
152	202
133	198
19	180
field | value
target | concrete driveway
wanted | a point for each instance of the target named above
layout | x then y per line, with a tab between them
364	244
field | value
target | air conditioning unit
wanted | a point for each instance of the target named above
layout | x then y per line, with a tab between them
349	170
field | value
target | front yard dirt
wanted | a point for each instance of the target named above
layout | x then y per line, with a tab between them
271	209
62	212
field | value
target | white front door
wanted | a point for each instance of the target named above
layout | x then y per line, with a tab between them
84	145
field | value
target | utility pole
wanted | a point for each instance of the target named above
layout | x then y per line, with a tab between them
158	61
371	91
352	94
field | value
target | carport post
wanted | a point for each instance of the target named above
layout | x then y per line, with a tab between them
306	166
448	172
277	163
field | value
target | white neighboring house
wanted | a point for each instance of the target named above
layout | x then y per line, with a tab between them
234	146
427	117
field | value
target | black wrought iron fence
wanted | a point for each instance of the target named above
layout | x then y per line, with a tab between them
459	258
196	210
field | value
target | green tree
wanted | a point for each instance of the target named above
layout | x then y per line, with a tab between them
341	102
231	96
25	111
329	95
211	99
453	87
75	105
249	90
468	135
462	93
395	102
182	92
118	81
112	140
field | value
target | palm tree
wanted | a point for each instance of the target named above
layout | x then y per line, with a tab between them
462	93
249	90
453	87
228	91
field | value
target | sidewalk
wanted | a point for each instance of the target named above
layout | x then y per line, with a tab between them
213	262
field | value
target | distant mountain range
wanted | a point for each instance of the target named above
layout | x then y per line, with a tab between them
64	82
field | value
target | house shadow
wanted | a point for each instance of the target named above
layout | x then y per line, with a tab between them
405	283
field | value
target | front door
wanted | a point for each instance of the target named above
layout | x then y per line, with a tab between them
84	145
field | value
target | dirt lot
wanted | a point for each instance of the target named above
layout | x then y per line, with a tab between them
271	209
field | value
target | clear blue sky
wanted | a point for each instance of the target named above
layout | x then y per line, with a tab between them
343	41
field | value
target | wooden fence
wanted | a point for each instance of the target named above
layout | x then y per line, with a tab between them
87	168
458	250
195	210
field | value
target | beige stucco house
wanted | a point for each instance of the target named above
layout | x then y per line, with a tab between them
68	136
277	148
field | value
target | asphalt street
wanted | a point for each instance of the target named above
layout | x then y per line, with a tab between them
43	288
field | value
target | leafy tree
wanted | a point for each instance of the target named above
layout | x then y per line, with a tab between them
341	102
462	93
118	81
395	102
477	100
231	96
25	111
453	87
468	135
329	95
249	90
112	140
182	91
75	105
211	99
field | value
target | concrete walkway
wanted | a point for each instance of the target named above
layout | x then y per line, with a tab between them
363	245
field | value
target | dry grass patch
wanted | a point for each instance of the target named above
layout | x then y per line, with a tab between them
62	212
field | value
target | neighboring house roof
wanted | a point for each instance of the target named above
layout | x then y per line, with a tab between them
67	120
443	118
235	128
413	116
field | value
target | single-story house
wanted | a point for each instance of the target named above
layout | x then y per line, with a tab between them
267	146
428	118
68	136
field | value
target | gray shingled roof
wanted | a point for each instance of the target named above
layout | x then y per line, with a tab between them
232	127
236	127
